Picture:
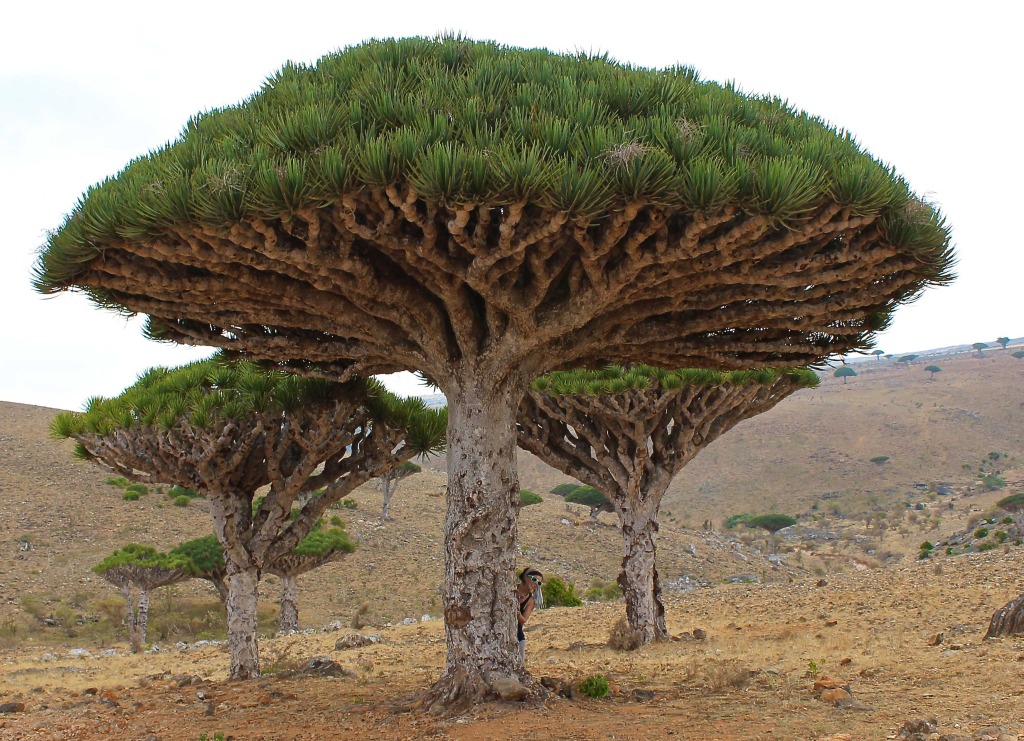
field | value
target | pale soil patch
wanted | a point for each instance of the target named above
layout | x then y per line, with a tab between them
747	681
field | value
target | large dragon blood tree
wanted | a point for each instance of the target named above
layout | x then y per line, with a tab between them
136	570
627	431
227	430
486	214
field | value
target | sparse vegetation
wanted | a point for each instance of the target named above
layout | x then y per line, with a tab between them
181	501
558	593
845	372
595	687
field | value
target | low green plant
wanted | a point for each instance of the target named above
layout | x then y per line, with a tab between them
215	737
981	532
595	687
349	503
336	521
181	501
734	520
988	546
527	497
602	591
563	489
131	496
180	491
1000	536
1007	520
118	481
558	593
927	545
992	481
814	668
140	489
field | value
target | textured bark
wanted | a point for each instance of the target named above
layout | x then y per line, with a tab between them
389	491
142	579
289	604
241	608
639	577
629	446
136	641
1008	620
480	539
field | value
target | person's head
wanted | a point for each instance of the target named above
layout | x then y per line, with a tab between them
531	578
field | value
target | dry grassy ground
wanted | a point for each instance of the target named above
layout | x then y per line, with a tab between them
810	455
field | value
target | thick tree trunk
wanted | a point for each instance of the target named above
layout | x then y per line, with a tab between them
1008	620
142	618
639	576
289	604
130	620
480	553
241	608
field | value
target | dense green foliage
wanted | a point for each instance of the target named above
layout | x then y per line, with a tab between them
207	392
844	372
618	379
205	553
558	593
1003	341
1012	503
733	520
321	542
144	556
462	121
1019	354
933	369
588	496
595	687
527	497
772	523
562	489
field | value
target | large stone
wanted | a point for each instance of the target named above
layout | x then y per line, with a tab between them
354	640
509	689
12	707
835	695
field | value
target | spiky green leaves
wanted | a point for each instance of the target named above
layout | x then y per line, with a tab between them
425	428
205	553
459	121
146	557
325	542
617	379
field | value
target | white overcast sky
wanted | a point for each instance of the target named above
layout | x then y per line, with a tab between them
932	87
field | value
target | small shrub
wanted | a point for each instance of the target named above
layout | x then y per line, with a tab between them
923	555
879	459
131	496
988	546
349	503
558	593
336	521
1000	536
734	520
527	497
992	481
981	532
595	687
562	489
180	491
141	489
624	638
181	501
927	545
118	481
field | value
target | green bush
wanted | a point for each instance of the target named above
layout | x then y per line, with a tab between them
992	481
527	497
879	459
988	546
981	532
595	687
349	503
558	593
141	489
603	591
336	521
923	555
181	501
734	520
131	496
118	481
1007	520
1000	536
927	545
564	489
180	491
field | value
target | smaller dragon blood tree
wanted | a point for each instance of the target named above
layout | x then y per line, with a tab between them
136	570
208	558
318	548
227	430
627	431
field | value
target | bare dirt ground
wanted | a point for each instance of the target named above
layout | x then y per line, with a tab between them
869	627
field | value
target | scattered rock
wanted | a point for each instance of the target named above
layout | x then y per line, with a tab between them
919	728
822	583
354	640
110	698
837	737
642	695
48	657
831	623
509	689
552	683
332	627
835	695
12	707
852	703
79	652
829	683
936	639
743	579
91	691
324	666
700	635
954	737
846	662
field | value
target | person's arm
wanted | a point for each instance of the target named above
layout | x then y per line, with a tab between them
525	614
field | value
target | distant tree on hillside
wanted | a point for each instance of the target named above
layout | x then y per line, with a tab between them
565	489
980	347
933	369
908	358
208	559
320	547
1003	341
590	497
878	354
772	523
140	569
844	372
889	356
389	481
880	460
1014	504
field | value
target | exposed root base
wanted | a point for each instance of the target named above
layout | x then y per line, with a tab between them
457	691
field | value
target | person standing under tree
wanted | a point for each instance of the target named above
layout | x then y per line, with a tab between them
529	595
